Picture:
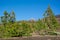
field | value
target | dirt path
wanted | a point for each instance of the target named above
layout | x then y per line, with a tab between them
33	38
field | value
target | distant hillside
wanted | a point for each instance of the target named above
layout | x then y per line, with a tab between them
58	18
30	21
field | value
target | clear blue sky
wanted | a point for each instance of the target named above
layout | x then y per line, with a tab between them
27	9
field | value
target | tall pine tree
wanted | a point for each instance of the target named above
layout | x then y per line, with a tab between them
4	19
50	19
12	17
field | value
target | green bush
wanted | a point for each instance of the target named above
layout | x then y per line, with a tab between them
15	30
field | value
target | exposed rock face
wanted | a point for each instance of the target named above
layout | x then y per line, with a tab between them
58	18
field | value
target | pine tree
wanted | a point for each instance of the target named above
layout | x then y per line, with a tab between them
50	19
6	16
12	17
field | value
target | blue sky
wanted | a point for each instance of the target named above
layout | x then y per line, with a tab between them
28	9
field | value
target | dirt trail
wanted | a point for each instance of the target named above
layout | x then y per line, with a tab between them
34	38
